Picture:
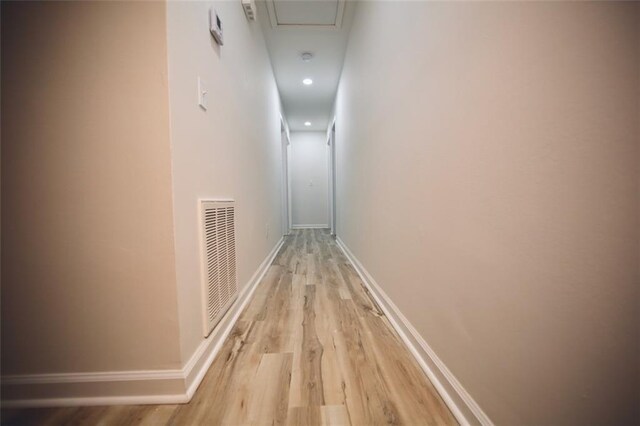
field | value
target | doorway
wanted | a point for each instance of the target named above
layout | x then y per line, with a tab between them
286	203
332	178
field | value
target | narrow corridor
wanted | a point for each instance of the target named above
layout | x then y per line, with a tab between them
462	180
310	348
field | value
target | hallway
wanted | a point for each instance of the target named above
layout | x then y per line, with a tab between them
310	348
320	212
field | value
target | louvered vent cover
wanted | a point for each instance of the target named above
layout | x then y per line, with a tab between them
219	260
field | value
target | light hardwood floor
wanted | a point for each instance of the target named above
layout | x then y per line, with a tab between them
311	348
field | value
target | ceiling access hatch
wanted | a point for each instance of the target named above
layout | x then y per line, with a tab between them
306	13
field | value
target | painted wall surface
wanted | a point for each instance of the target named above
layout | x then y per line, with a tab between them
230	151
309	179
488	179
88	278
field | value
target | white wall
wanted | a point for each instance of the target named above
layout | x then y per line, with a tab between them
232	150
309	179
488	169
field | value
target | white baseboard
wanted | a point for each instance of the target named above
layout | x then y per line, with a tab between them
175	386
316	226
96	401
461	404
94	388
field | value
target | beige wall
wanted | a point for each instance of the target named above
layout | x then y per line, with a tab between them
309	179
500	146
100	125
232	150
88	277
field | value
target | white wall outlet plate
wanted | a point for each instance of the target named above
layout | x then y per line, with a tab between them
203	94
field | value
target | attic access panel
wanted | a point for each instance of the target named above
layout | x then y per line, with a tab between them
306	13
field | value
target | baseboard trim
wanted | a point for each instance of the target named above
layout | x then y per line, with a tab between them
320	226
116	376
177	386
96	401
465	409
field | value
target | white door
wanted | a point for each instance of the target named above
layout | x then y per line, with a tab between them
286	221
332	178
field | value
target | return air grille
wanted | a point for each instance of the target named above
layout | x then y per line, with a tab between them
219	260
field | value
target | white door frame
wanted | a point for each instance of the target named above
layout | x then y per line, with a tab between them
331	141
286	179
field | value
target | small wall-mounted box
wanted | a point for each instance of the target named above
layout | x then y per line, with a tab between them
249	7
215	26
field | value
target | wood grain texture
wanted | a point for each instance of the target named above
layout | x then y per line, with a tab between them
311	348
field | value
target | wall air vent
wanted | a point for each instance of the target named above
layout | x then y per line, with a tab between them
220	287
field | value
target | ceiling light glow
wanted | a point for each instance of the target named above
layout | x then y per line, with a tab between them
307	123
307	81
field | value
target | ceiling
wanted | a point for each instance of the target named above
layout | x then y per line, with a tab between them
320	27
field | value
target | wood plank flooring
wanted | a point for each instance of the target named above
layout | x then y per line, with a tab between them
311	348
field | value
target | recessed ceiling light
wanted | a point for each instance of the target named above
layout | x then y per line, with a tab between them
307	123
307	81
